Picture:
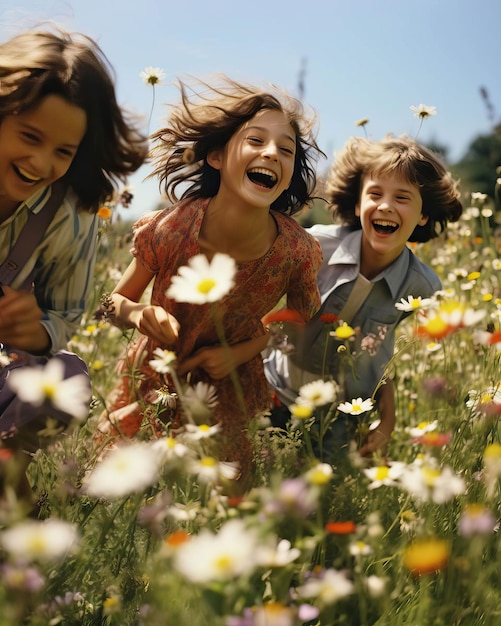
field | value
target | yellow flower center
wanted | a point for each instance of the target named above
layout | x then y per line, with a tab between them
301	411
430	475
206	285
49	391
208	461
223	563
382	472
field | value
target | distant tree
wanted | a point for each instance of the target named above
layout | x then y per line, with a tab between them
478	167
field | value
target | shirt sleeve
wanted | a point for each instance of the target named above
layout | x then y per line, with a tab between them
64	271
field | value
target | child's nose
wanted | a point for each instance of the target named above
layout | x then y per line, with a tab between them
41	164
270	150
384	206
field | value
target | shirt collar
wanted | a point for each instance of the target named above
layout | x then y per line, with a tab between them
348	253
36	202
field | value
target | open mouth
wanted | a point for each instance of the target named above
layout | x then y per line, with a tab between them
384	227
26	176
262	177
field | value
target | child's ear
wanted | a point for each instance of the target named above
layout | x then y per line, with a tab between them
424	220
357	209
215	158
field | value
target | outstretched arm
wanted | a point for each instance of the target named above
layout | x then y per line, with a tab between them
151	320
378	439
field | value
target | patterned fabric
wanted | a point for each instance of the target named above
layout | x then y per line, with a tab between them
166	240
63	263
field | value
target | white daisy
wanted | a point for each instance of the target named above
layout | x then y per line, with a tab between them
40	384
227	555
195	432
202	281
278	555
318	392
152	75
387	475
328	587
411	304
199	400
164	361
423	111
30	539
210	470
356	406
124	470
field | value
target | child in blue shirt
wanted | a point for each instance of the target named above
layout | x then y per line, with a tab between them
381	195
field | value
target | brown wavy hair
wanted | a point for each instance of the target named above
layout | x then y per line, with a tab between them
37	63
404	157
207	119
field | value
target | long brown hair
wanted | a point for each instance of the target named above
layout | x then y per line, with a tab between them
35	64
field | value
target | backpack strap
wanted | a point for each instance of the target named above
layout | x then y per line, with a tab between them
31	235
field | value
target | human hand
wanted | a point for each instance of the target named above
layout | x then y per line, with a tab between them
377	441
217	362
20	325
154	322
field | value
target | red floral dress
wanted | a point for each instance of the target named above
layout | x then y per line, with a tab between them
164	241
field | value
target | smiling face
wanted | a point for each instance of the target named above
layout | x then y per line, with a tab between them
37	147
390	208
257	164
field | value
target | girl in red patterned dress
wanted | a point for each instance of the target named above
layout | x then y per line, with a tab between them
245	160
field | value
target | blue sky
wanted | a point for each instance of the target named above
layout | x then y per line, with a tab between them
363	58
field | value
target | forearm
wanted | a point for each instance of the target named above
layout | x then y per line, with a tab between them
125	313
247	350
386	408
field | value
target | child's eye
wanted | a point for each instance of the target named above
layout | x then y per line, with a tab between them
66	153
256	140
403	198
29	136
287	150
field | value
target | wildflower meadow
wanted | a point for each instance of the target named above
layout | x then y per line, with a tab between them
151	531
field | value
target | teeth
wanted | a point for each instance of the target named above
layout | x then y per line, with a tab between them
262	170
384	223
29	176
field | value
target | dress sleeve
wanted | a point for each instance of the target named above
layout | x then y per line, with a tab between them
303	294
144	247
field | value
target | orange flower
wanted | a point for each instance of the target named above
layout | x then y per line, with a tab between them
104	212
283	315
6	454
426	556
495	338
434	439
435	328
177	538
340	528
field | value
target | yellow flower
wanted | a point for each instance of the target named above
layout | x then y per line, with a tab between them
473	275
426	556
343	332
97	365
